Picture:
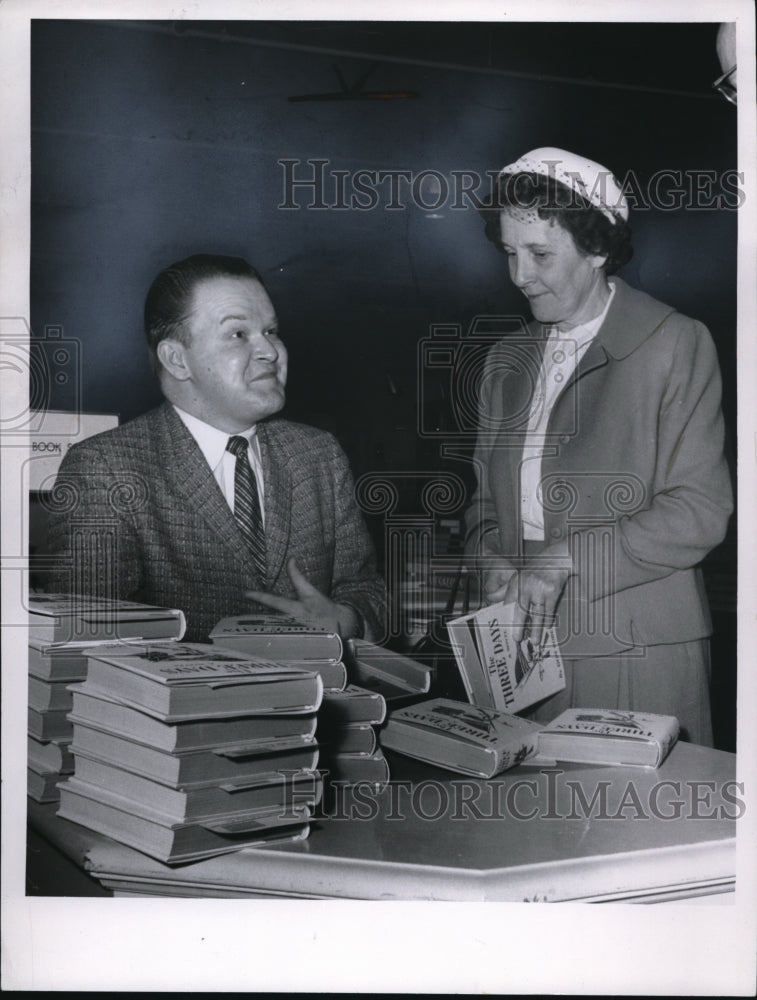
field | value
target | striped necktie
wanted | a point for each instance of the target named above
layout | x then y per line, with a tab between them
247	503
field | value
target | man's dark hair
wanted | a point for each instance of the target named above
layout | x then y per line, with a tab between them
592	231
168	299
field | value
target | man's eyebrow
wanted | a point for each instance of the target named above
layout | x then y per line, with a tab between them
236	319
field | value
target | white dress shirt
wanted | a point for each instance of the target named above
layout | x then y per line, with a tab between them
212	444
562	353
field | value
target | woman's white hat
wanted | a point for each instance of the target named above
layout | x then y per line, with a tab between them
591	180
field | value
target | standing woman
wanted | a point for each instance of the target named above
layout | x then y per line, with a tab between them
602	481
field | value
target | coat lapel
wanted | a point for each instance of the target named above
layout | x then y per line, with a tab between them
620	335
277	481
632	318
193	480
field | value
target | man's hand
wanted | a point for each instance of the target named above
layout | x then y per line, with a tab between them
311	605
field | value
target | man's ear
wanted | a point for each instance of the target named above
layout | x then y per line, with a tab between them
171	354
598	261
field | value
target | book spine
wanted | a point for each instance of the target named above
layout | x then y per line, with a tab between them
514	753
467	656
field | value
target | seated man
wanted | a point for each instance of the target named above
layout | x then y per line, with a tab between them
205	503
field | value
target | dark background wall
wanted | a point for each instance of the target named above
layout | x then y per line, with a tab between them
152	140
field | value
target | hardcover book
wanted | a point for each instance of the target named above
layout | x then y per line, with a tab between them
353	737
499	672
49	756
196	767
455	735
49	725
55	662
49	695
604	736
159	836
356	768
395	676
354	704
278	637
80	618
197	803
42	787
95	708
193	680
333	673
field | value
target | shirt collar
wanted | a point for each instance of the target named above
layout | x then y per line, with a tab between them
211	441
581	335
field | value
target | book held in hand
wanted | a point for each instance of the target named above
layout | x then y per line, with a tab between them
278	637
79	618
609	736
499	672
190	680
461	737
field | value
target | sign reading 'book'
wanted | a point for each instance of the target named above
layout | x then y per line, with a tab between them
498	671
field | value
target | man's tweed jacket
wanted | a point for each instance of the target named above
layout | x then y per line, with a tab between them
136	514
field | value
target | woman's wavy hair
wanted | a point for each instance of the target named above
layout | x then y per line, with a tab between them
592	231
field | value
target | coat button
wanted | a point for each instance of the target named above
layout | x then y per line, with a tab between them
564	438
555	533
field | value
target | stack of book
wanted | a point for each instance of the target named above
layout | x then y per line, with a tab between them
62	628
286	640
185	750
349	726
354	702
51	670
348	736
